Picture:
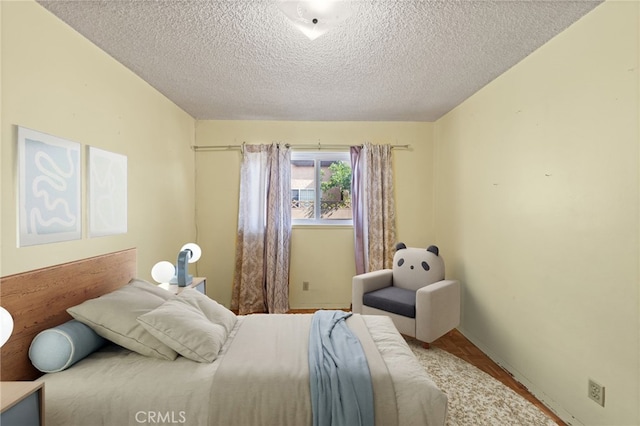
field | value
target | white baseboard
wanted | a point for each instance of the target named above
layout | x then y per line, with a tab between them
532	388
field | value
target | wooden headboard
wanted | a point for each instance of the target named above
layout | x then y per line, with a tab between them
38	300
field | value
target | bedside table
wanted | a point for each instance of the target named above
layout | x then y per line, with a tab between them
199	283
22	403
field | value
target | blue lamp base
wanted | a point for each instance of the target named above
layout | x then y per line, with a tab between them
182	277
188	279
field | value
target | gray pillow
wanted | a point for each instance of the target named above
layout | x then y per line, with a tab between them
211	309
58	348
186	330
114	317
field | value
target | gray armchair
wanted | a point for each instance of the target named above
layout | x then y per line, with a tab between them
414	294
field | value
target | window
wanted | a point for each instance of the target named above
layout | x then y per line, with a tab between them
321	188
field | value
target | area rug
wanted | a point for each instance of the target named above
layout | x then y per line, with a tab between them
475	398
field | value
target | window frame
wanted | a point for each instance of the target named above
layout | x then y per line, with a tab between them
317	157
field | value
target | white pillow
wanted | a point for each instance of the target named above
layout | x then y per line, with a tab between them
186	330
151	288
113	316
214	311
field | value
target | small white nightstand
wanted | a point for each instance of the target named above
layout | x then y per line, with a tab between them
199	283
22	403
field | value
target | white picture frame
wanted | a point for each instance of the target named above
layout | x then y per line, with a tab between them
49	189
107	187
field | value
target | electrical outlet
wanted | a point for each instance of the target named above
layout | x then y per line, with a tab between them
596	392
305	285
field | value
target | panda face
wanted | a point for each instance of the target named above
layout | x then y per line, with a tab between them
416	267
424	264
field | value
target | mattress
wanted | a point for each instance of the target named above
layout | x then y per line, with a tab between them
115	386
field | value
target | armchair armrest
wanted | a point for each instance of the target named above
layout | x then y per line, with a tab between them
364	283
437	309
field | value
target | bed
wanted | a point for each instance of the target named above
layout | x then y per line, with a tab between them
260	374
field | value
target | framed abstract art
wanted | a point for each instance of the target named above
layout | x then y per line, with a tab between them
107	183
49	189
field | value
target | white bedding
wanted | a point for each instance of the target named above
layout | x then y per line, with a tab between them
117	387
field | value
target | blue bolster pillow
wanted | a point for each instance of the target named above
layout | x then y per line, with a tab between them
58	348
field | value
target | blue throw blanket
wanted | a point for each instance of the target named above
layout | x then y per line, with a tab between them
341	388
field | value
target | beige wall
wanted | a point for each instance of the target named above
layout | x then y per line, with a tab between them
56	82
537	200
322	256
536	188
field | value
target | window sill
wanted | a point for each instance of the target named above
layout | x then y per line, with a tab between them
322	226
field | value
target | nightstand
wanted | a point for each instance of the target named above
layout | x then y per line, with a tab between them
199	283
22	403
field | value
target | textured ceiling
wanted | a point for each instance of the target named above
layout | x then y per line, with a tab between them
392	60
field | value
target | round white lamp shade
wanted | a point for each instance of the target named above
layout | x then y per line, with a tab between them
163	271
6	326
196	251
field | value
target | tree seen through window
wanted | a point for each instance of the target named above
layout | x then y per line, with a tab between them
321	188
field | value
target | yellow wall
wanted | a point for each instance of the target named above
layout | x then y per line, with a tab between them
537	199
322	256
55	81
534	180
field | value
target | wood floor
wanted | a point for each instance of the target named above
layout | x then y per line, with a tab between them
456	344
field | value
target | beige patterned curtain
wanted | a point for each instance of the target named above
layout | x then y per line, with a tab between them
261	278
373	207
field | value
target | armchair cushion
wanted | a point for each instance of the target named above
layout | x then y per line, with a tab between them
392	299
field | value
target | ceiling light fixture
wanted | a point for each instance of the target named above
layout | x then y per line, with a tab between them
315	17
